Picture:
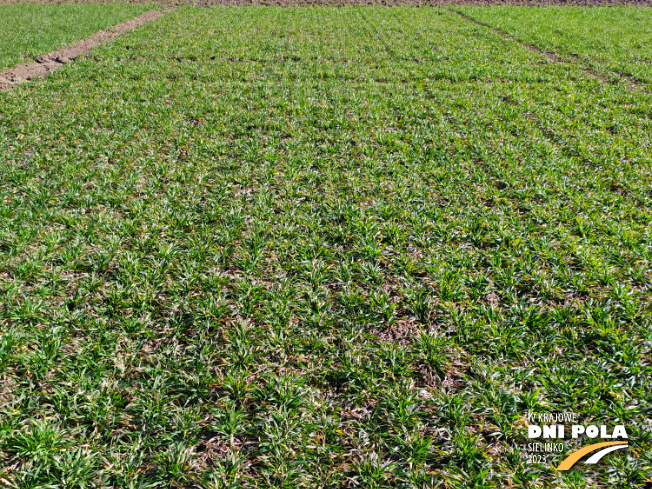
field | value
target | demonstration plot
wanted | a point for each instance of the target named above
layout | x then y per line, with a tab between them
616	41
28	30
320	247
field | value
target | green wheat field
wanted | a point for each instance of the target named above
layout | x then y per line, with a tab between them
318	247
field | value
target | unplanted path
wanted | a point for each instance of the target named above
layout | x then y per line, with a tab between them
49	62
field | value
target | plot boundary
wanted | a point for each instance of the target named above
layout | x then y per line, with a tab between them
551	56
49	62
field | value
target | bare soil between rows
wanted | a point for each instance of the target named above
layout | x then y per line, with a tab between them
341	3
45	64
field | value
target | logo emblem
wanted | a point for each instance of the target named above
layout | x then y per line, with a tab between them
607	447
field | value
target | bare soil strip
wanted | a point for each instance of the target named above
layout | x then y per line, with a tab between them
551	56
47	63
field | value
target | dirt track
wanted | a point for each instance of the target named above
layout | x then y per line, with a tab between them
47	63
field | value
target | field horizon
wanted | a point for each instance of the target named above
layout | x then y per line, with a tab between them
344	3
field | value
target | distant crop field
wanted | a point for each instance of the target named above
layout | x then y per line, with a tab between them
322	247
28	30
615	40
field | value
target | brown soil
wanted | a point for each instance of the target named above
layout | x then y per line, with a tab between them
412	3
49	62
